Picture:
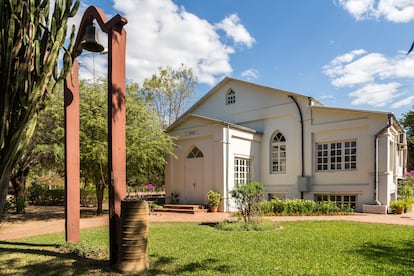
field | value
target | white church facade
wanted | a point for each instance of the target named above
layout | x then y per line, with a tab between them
241	132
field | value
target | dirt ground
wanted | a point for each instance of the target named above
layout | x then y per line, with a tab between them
50	219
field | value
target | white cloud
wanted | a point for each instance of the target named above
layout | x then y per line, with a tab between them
404	102
345	71
358	8
375	94
159	33
250	74
375	79
399	11
233	28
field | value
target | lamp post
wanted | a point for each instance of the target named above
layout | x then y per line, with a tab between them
116	124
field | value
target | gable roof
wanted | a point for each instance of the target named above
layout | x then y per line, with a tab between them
224	123
216	88
315	105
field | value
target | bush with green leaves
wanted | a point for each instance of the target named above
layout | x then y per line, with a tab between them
39	195
247	198
35	193
88	197
302	207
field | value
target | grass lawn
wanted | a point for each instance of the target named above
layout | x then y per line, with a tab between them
295	248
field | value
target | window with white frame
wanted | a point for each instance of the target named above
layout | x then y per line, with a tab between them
242	170
230	96
336	156
278	154
340	200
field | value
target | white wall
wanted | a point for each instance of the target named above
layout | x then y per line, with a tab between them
269	110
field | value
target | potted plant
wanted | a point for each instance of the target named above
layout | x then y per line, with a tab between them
213	199
397	206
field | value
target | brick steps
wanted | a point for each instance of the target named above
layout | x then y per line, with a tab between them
182	208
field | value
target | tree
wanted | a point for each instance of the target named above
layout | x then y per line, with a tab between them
93	136
30	43
247	198
168	92
407	121
147	143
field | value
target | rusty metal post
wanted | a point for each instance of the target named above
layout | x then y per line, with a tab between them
72	161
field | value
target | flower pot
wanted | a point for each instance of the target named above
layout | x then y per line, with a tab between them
213	209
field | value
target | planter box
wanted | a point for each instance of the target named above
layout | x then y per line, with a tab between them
375	209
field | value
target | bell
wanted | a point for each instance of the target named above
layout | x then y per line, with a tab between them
91	42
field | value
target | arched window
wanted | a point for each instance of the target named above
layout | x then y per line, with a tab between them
230	96
278	154
195	153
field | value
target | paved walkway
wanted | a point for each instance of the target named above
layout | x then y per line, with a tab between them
42	220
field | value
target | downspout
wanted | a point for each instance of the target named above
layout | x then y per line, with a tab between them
227	207
302	134
376	175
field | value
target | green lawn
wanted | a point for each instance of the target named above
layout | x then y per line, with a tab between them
296	248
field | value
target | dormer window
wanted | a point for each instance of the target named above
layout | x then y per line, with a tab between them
230	96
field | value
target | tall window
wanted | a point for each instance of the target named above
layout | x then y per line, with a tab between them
336	156
230	96
195	153
242	170
278	154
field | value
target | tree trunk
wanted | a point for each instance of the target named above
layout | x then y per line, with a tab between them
19	185
4	189
99	196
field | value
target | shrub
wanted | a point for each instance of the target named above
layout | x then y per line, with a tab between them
88	197
247	226
289	207
35	193
247	198
83	250
38	195
213	198
397	206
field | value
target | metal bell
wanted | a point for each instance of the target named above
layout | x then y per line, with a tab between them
91	41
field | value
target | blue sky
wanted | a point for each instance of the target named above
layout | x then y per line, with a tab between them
344	53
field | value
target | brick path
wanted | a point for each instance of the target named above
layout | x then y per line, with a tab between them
42	220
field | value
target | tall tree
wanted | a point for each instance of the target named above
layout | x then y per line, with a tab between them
407	122
93	136
45	152
30	42
168	92
147	143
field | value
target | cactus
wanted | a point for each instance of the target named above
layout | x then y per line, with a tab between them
30	42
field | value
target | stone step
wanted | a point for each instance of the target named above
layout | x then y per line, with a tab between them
182	208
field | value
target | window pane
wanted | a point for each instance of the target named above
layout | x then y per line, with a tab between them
278	154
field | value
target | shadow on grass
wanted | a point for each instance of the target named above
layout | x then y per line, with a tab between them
211	224
44	213
398	254
46	259
161	265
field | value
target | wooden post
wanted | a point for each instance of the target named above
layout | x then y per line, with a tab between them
116	138
72	161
